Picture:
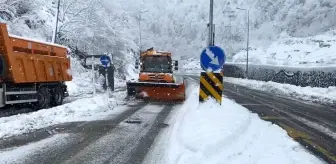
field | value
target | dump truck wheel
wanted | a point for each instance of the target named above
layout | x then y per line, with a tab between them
57	96
43	98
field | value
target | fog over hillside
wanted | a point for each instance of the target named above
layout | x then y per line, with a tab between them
182	23
175	25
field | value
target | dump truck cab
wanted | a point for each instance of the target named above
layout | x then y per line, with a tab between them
156	79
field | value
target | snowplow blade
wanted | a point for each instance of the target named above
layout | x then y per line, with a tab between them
166	92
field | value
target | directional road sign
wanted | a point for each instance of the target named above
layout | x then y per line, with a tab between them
212	58
105	60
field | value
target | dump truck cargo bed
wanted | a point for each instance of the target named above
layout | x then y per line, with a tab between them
28	61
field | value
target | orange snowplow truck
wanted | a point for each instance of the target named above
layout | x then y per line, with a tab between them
32	71
156	80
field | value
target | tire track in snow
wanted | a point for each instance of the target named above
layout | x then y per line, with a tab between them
234	137
88	132
121	144
210	150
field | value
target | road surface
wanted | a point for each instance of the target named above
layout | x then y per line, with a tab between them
313	125
127	137
124	138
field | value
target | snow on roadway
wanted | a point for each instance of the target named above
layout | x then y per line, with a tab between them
21	154
326	96
208	133
119	144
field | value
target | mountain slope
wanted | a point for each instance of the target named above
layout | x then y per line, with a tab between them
179	26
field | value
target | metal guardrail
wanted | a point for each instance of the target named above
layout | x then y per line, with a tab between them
315	77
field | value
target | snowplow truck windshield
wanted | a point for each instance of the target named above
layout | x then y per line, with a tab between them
156	80
157	64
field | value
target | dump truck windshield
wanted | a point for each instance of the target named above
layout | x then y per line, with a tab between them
160	64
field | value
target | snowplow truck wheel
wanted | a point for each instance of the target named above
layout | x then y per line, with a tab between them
130	91
57	96
43	98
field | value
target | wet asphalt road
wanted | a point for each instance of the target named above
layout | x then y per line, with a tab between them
312	125
125	138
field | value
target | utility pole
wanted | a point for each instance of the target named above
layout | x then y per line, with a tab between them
93	76
211	40
228	28
247	39
140	44
139	33
56	23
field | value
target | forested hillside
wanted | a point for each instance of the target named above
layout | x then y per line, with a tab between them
177	25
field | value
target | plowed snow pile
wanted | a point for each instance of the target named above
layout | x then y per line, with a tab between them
326	96
208	133
81	105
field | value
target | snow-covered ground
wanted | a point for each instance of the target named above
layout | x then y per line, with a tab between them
83	109
325	96
81	105
317	50
191	65
209	133
81	83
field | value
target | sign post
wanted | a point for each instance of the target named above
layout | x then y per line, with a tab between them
211	84
105	60
211	39
106	79
93	77
212	59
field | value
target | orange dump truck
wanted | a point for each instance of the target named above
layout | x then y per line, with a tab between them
32	72
156	80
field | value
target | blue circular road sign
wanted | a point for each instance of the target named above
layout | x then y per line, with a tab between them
105	60
212	58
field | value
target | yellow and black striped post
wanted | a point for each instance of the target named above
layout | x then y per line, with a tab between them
211	84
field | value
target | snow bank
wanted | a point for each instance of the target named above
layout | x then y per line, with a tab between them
81	105
191	65
317	50
82	84
209	133
82	80
85	109
325	96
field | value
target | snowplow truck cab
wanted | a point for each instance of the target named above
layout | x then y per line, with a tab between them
32	71
156	80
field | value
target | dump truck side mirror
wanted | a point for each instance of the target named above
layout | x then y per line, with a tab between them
176	65
137	64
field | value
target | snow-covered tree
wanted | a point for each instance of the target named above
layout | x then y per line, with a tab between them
179	26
